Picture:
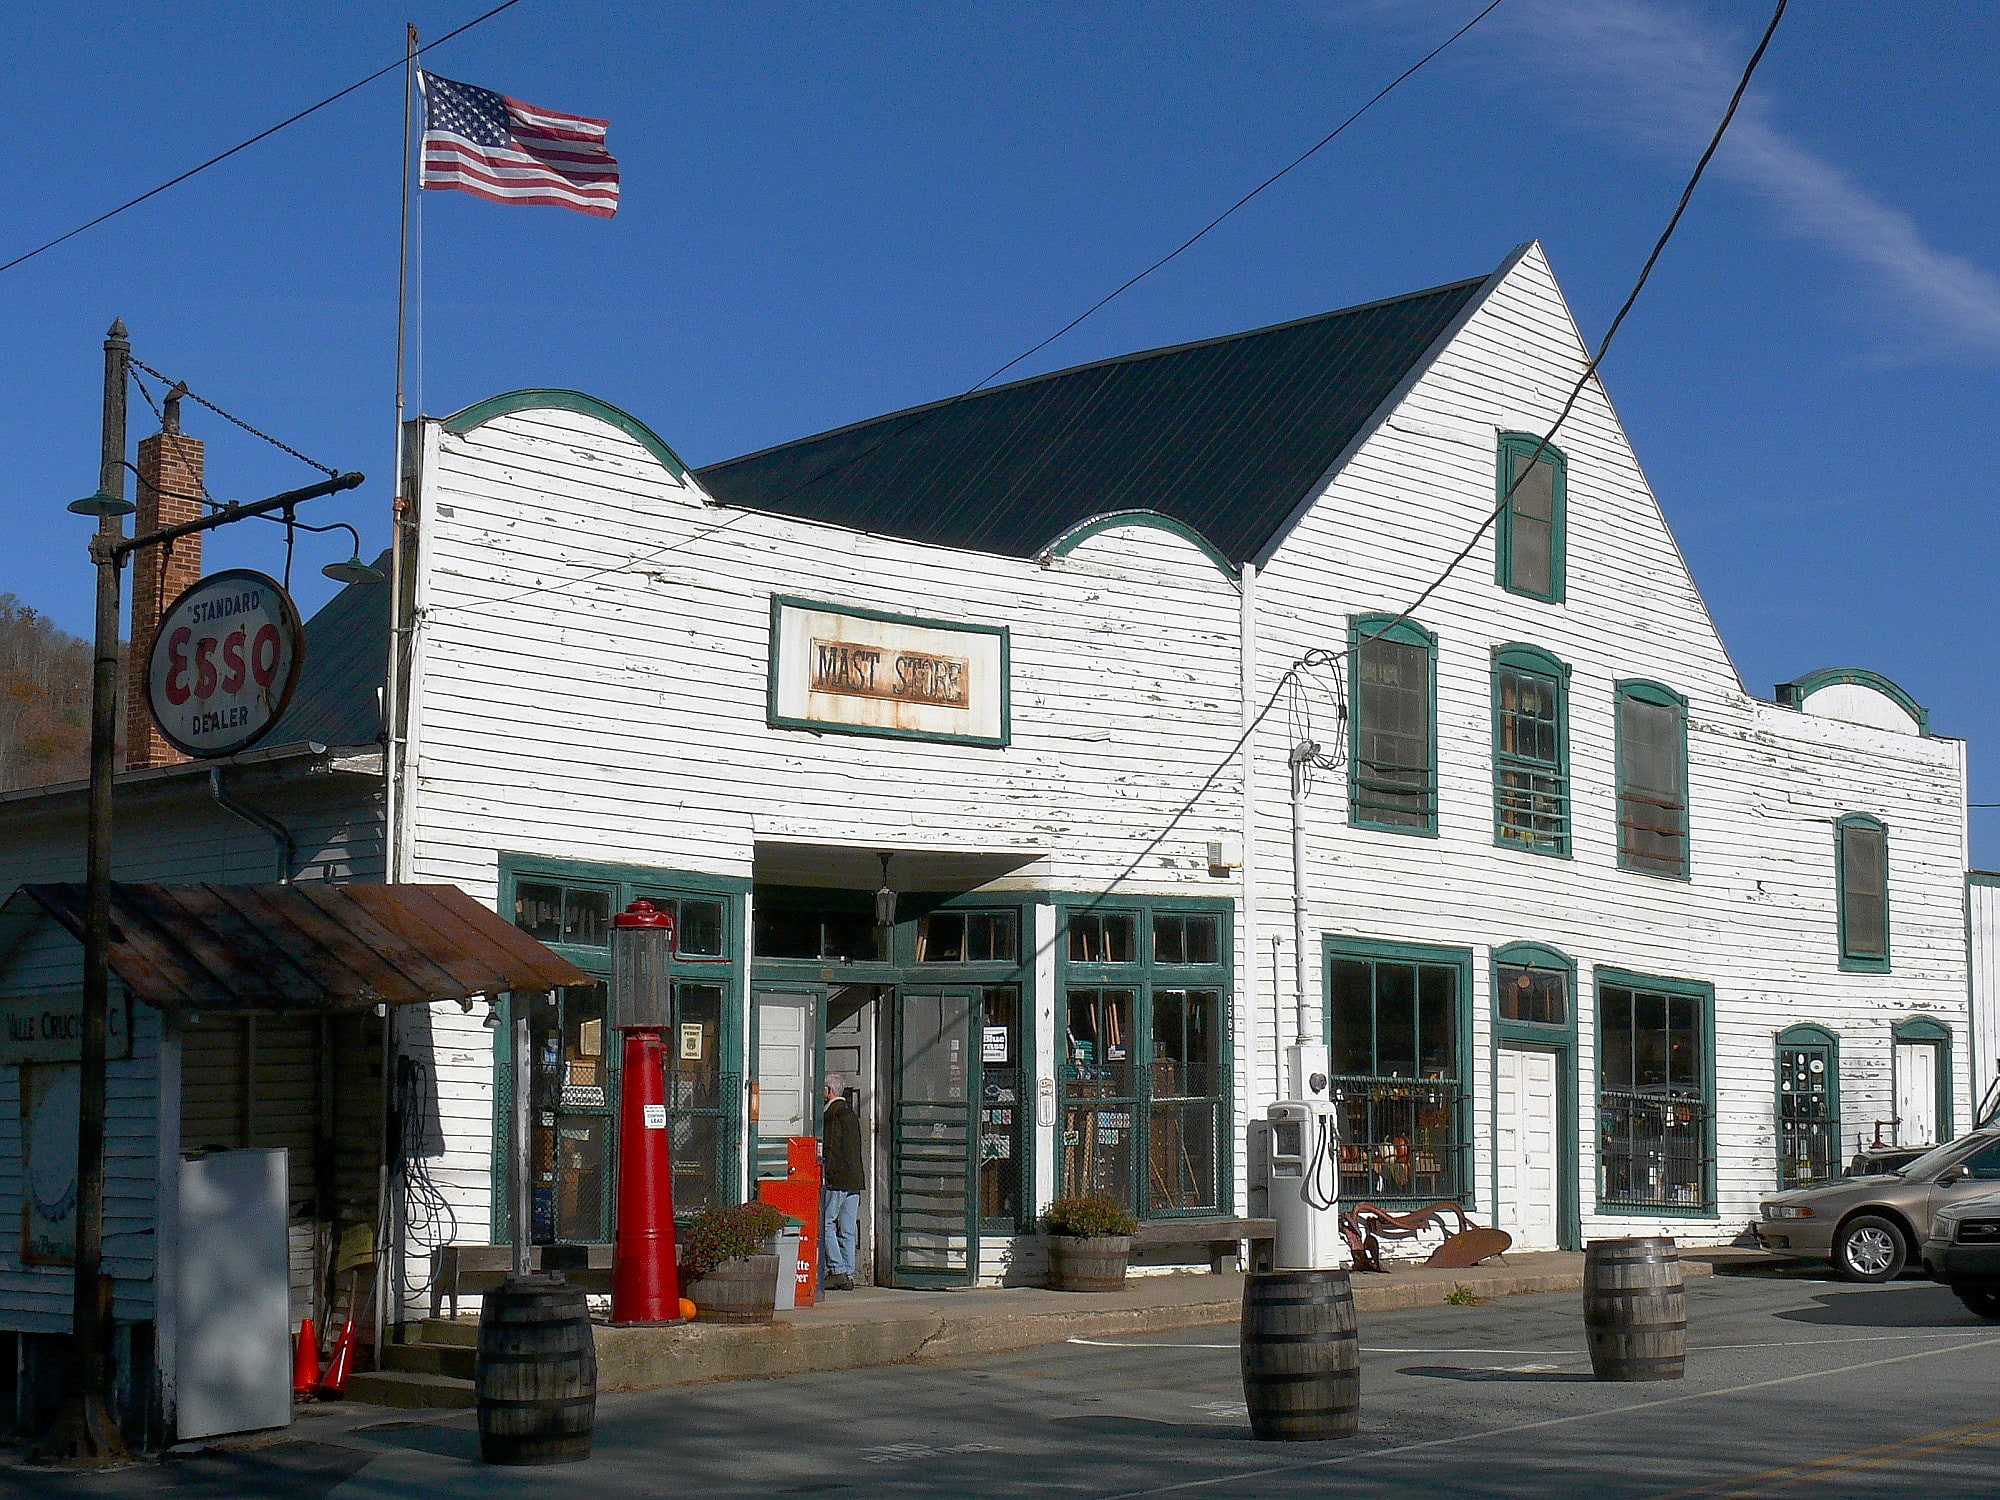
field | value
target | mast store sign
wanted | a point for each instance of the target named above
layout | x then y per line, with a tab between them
224	663
865	672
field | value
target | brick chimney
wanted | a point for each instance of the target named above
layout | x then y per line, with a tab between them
170	487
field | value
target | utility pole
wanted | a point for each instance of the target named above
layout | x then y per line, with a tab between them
85	1432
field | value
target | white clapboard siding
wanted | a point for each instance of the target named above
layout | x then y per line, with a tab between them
37	1298
622	718
1757	920
591	678
1983	926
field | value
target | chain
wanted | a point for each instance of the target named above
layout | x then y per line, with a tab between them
232	417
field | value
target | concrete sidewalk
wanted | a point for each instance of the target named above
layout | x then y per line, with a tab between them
877	1326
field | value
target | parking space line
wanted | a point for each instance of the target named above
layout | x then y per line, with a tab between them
1544	1424
1851	1462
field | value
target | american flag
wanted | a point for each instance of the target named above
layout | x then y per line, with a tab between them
484	143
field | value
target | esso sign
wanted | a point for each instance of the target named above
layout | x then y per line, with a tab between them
224	663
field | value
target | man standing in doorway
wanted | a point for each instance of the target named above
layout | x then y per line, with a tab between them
843	1181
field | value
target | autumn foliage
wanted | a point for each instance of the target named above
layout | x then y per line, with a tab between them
44	700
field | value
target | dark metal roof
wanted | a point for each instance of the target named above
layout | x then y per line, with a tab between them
347	652
1226	436
311	947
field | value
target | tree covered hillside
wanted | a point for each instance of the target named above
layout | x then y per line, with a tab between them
44	700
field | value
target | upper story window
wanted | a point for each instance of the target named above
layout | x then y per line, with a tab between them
1392	771
1530	750
1863	860
969	937
1652	779
555	913
1530	537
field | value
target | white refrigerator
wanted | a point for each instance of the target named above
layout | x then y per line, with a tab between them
233	1365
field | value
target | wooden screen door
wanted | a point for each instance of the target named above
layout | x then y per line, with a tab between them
933	1197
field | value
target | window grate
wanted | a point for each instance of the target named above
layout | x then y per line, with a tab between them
1401	1138
1653	1149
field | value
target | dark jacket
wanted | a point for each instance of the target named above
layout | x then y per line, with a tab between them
843	1173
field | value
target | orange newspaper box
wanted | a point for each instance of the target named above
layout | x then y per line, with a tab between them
799	1197
802	1157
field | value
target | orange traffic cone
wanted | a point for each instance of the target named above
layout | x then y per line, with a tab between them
334	1386
305	1361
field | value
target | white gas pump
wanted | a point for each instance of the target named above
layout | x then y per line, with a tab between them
1301	1160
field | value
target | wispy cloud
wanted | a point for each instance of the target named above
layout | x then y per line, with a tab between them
1657	75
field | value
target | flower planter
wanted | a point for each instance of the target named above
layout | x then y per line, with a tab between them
737	1291
1088	1265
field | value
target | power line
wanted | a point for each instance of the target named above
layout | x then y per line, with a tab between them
259	136
919	418
1576	391
1319	657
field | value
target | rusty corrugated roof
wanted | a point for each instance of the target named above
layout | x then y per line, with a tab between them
220	948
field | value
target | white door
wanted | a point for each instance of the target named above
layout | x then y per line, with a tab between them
787	1026
1916	1093
1526	1147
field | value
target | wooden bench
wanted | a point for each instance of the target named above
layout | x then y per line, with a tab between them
1221	1235
472	1270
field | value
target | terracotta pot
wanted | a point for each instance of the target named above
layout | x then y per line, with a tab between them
737	1291
1088	1265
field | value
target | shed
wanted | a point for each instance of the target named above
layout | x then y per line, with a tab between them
261	1023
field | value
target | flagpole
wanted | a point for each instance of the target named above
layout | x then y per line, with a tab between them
388	1261
392	724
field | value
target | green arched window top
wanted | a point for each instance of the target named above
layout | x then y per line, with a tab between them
1392	762
1530	541
1652	779
1808	1105
1531	794
1921	1029
1861	860
1534	985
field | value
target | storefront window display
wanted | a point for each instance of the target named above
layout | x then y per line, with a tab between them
1144	1073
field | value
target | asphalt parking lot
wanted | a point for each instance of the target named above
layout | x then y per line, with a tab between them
1796	1385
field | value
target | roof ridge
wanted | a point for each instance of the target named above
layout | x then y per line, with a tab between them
1134	357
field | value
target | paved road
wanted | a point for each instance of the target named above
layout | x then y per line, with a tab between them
1795	1387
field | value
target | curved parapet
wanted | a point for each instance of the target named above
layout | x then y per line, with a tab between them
481	412
1857	696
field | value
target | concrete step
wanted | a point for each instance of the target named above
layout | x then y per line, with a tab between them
409	1388
454	1360
463	1334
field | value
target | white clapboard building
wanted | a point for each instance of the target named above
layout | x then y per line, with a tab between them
1602	942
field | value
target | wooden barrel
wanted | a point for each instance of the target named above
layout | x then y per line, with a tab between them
1096	1264
1634	1315
534	1373
737	1291
1301	1355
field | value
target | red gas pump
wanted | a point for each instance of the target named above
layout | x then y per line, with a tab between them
645	1279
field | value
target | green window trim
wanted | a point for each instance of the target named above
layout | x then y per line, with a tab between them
1930	1029
1334	947
1855	955
1703	994
1533	813
1143	975
1808	1037
1560	1040
1521	446
1365	805
1659	696
622	884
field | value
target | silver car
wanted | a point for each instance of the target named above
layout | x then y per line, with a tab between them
1871	1227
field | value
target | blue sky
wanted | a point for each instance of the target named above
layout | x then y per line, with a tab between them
831	211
